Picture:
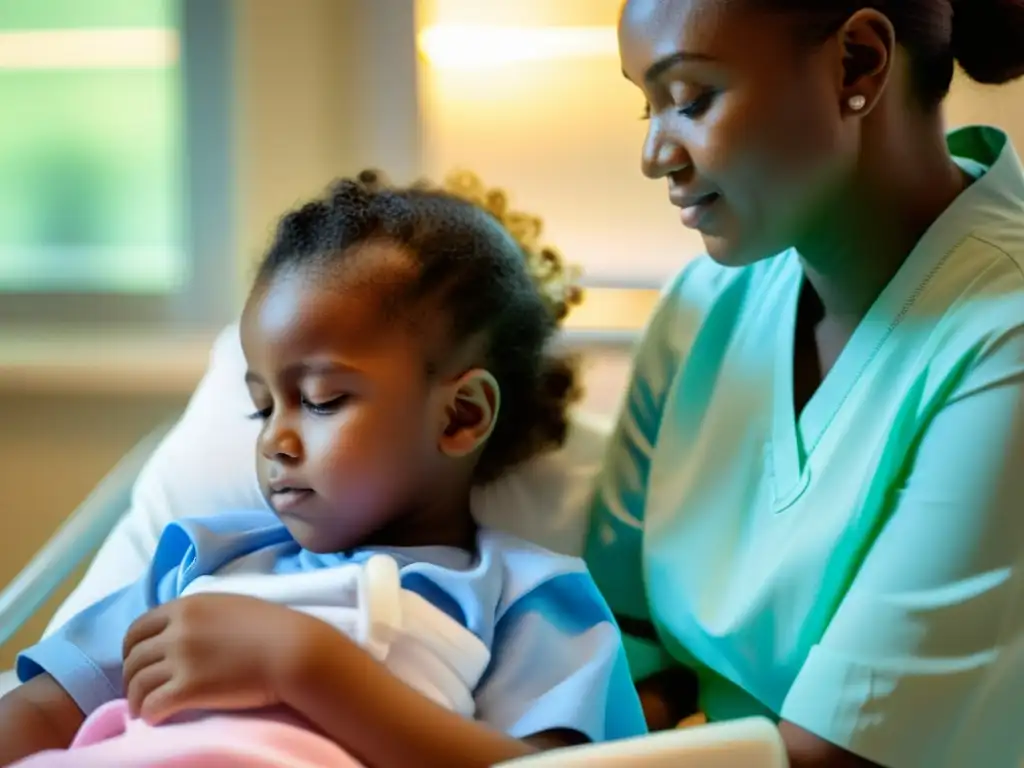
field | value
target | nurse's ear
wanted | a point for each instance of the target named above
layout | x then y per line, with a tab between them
470	412
868	44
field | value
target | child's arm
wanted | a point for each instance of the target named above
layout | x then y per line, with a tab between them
36	716
558	677
288	657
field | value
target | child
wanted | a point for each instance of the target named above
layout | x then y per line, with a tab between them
397	355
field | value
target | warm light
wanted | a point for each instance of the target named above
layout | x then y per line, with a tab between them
456	46
88	49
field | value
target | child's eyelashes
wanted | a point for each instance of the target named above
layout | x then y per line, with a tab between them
322	408
327	407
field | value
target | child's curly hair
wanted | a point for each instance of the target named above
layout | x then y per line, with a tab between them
485	263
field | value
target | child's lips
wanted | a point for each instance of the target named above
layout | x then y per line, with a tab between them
288	499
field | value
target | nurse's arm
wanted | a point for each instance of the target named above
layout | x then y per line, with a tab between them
922	663
668	697
615	540
805	750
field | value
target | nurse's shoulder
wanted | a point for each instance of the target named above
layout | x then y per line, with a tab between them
706	296
972	300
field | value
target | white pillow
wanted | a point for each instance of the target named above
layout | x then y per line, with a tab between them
206	464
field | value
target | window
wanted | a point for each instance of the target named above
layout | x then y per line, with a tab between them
114	178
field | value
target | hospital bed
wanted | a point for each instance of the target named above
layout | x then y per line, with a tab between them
751	743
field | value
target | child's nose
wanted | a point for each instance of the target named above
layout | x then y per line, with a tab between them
280	443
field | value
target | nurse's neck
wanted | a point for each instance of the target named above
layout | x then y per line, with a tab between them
903	181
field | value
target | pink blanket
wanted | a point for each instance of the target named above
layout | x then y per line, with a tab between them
110	738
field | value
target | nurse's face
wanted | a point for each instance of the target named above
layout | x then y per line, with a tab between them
745	123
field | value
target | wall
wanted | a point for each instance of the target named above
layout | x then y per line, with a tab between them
326	89
995	105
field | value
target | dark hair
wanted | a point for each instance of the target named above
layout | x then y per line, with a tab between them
486	279
986	37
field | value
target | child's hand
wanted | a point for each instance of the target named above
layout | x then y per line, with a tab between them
216	652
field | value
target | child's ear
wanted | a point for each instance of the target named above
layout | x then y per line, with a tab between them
470	413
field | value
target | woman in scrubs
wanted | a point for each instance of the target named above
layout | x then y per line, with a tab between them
814	498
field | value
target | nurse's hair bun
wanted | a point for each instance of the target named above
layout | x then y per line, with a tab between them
988	39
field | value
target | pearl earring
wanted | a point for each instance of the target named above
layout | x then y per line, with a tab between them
858	102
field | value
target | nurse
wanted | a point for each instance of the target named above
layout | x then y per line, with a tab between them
814	498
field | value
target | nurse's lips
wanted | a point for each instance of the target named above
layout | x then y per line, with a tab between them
695	211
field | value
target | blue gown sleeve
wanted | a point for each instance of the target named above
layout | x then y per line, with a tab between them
85	655
559	664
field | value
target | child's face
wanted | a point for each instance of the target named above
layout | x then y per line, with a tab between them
350	420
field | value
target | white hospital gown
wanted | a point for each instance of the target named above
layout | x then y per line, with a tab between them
555	657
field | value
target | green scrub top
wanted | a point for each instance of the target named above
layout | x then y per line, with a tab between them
858	570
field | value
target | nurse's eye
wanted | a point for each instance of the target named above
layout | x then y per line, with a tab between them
697	107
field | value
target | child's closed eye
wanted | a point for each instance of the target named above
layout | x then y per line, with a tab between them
326	407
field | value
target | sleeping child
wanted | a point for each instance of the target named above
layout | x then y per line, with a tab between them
397	344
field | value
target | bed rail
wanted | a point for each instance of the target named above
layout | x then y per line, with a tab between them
78	537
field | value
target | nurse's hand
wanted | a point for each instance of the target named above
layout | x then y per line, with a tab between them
669	697
214	652
805	750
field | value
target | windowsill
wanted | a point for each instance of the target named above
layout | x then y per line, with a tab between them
40	360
